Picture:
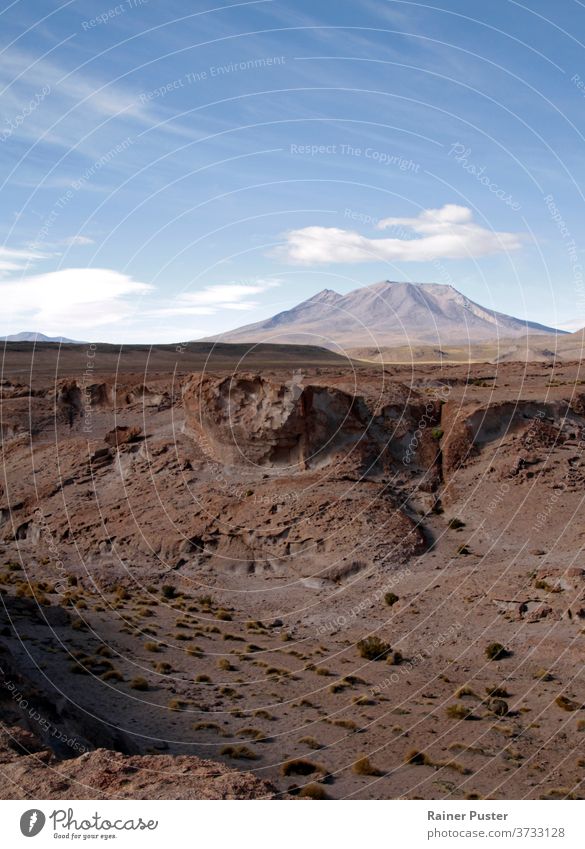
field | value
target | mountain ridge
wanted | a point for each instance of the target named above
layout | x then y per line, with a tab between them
34	336
387	313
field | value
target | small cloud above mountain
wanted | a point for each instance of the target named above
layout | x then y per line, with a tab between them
223	296
446	233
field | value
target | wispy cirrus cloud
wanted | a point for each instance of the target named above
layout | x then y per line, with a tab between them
445	233
12	260
212	299
77	241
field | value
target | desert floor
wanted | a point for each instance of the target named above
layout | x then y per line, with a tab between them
174	588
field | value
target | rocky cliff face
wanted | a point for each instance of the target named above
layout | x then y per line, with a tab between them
251	420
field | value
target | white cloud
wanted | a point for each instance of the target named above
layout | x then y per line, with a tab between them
73	241
211	299
74	297
571	325
17	260
448	232
22	72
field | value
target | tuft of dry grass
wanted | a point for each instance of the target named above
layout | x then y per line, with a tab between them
206	726
363	766
264	714
252	733
416	758
311	743
373	648
348	724
313	791
497	692
544	675
300	766
112	675
567	704
178	704
496	651
459	712
239	752
465	691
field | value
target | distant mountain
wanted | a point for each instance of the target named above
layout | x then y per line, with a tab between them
27	336
386	314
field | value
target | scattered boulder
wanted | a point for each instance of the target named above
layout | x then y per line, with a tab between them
122	435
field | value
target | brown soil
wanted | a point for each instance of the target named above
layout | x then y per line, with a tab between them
193	555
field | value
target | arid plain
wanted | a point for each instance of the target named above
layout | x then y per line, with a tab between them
234	572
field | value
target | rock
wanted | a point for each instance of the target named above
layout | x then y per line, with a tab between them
122	434
105	774
538	613
250	419
498	706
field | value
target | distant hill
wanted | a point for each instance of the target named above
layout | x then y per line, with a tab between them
32	336
387	314
42	359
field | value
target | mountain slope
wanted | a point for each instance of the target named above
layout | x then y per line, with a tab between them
386	314
32	336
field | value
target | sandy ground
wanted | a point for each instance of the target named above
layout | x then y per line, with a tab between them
215	608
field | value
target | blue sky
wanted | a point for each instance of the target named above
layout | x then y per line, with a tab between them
173	170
